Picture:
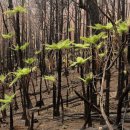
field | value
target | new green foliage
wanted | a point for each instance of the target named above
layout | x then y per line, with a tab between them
81	46
30	61
121	26
19	74
38	52
79	61
17	9
100	45
103	54
2	78
98	26
6	101
66	44
7	36
95	38
23	47
88	78
50	78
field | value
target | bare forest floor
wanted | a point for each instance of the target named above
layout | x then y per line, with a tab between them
73	114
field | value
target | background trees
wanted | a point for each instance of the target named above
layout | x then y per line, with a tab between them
34	33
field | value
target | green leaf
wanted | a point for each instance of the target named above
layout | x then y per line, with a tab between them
50	78
98	26
17	9
2	78
3	107
10	12
82	79
3	101
37	52
80	61
14	81
81	46
88	78
30	60
20	73
109	26
15	47
23	47
6	101
20	9
51	47
7	98
100	45
66	44
73	64
7	36
94	39
102	55
122	27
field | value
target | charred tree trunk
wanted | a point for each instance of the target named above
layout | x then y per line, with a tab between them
59	69
121	59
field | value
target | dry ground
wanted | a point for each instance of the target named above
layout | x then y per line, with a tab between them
73	115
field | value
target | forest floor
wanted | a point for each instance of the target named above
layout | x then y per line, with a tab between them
73	114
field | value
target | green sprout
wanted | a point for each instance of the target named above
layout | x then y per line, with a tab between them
30	60
15	47
81	46
100	45
2	78
23	47
22	72
98	26
108	26
122	27
66	44
17	9
88	78
20	9
95	38
7	36
79	61
103	54
6	101
37	52
19	74
50	78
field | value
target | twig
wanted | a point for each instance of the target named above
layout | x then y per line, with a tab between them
84	99
101	95
123	120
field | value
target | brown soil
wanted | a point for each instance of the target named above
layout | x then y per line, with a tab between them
73	115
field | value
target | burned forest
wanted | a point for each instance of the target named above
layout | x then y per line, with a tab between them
64	64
